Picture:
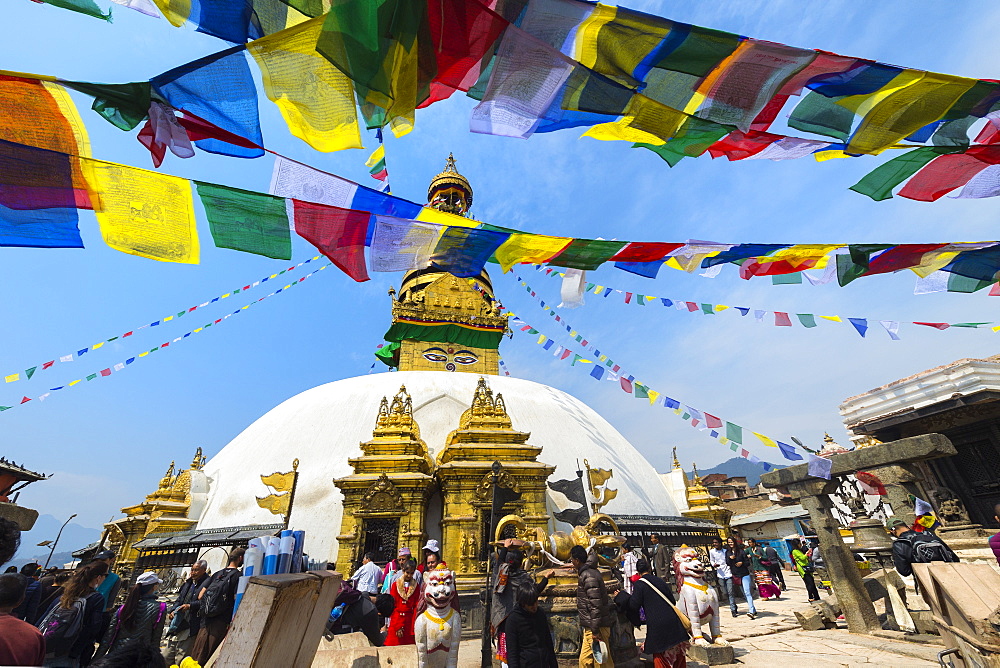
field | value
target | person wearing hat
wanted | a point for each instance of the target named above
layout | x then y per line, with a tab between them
432	557
141	616
394	568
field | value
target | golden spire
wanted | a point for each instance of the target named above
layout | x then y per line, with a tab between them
168	477
677	462
697	478
827	438
486	411
199	460
396	417
450	191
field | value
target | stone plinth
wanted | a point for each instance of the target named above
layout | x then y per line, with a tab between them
23	517
712	655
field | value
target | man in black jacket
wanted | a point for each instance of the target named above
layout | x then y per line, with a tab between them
529	641
905	545
593	606
664	631
218	599
186	607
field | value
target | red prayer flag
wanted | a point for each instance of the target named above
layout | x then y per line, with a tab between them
947	172
995	290
337	233
48	364
566	353
628	297
626	384
198	128
712	421
692	306
107	372
738	145
644	251
899	257
25	400
936	325
781	319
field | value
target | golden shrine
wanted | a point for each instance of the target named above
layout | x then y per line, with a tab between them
174	506
703	505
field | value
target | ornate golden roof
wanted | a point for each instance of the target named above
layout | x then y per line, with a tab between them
450	178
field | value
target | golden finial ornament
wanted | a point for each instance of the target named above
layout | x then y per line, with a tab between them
677	462
450	191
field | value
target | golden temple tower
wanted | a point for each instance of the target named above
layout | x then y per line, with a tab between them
174	506
485	434
441	322
703	505
386	496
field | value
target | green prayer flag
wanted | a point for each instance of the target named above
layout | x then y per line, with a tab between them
807	319
641	391
854	264
787	279
640	300
586	254
123	105
701	50
92	376
822	115
180	313
389	354
708	309
956	324
579	337
686	416
733	446
247	221
693	139
879	182
532	331
31	372
734	432
959	283
88	7
4	408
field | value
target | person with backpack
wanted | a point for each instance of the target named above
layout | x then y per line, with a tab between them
666	636
911	547
218	599
20	643
73	624
140	616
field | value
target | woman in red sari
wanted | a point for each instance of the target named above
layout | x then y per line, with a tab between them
405	592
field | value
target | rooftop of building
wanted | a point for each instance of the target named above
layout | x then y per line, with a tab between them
770	514
7	466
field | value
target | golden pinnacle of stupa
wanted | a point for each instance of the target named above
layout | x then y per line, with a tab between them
445	184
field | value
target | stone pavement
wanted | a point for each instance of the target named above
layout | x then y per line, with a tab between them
774	639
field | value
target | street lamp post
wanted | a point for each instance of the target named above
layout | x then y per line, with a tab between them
487	653
52	548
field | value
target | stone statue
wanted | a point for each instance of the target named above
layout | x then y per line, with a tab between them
438	627
697	600
950	509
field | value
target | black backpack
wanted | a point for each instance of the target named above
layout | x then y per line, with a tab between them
219	593
61	627
926	547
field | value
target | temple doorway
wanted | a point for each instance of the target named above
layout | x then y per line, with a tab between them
433	515
380	538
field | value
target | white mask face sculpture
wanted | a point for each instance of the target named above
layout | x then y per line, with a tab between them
438	629
696	599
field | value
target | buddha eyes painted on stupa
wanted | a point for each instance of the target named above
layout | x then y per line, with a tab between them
450	357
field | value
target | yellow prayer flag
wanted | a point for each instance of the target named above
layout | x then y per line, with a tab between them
143	354
585	48
281	482
144	213
645	121
541	339
175	11
723	440
823	156
97	345
598	289
765	440
225	295
167	319
997	328
198	330
12	377
430	215
674	263
652	396
678	410
721	307
528	249
377	155
834	318
72	383
314	97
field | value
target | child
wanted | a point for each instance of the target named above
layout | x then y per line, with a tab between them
529	642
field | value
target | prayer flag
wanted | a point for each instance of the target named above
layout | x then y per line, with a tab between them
12	378
788	452
247	221
641	391
25	400
734	432
376	164
402	245
219	89
879	183
626	384
891	328
860	324
807	319
521	248
314	97
769	442
597	372
781	319
88	7
40	228
464	251
820	467
145	213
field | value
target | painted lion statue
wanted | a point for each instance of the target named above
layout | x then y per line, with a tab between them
696	599
438	627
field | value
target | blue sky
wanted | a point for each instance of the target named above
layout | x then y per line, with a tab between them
108	442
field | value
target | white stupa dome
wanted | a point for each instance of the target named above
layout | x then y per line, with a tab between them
325	426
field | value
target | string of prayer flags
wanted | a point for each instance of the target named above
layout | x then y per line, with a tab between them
104	373
696	418
29	373
781	319
314	97
376	164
